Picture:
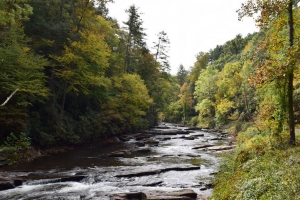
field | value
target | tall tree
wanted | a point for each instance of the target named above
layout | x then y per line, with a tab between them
182	75
135	37
161	51
268	11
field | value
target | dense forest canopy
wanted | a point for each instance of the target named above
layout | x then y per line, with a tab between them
79	77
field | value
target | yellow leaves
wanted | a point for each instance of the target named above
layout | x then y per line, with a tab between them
224	106
26	49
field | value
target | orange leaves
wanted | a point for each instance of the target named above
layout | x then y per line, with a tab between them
266	72
267	10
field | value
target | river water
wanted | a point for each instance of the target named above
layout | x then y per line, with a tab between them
99	176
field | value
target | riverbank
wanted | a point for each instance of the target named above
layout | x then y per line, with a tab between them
261	167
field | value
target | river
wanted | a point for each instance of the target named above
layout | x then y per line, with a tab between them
166	162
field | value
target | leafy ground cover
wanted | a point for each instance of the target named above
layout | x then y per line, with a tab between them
261	167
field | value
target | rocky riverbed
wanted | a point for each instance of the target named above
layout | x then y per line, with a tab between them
168	162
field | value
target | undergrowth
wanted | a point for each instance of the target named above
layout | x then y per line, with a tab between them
261	167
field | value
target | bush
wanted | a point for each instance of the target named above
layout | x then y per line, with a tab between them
15	147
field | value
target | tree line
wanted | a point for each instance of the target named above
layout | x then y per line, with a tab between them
72	74
77	75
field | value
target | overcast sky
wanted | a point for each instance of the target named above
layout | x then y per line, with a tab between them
192	25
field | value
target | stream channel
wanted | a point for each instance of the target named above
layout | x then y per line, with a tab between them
168	158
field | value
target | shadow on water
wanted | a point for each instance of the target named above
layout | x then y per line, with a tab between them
83	157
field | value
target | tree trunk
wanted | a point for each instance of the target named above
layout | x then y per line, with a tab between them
291	77
64	98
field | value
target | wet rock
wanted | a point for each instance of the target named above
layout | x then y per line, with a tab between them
204	146
185	194
216	138
18	182
6	185
164	138
199	135
190	138
138	174
130	196
142	150
140	144
151	184
140	137
73	179
162	127
194	129
221	148
157	171
117	154
203	197
206	186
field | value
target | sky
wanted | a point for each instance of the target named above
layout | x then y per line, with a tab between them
191	25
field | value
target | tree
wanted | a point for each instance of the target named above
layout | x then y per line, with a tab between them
135	37
182	75
206	89
202	60
129	103
185	100
21	70
270	11
161	51
83	65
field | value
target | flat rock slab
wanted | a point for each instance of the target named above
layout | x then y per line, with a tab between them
185	194
204	146
221	148
130	196
157	171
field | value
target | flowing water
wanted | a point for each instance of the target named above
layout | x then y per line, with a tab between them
99	175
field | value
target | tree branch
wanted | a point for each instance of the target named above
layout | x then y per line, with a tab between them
8	98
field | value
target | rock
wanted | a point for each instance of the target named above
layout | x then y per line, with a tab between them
157	171
216	138
199	135
185	194
117	154
143	150
203	197
138	174
206	186
162	127
190	138
164	138
130	196
204	146
6	185
140	144
155	183
18	182
194	129
72	179
221	148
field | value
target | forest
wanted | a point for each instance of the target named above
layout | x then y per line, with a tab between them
70	74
